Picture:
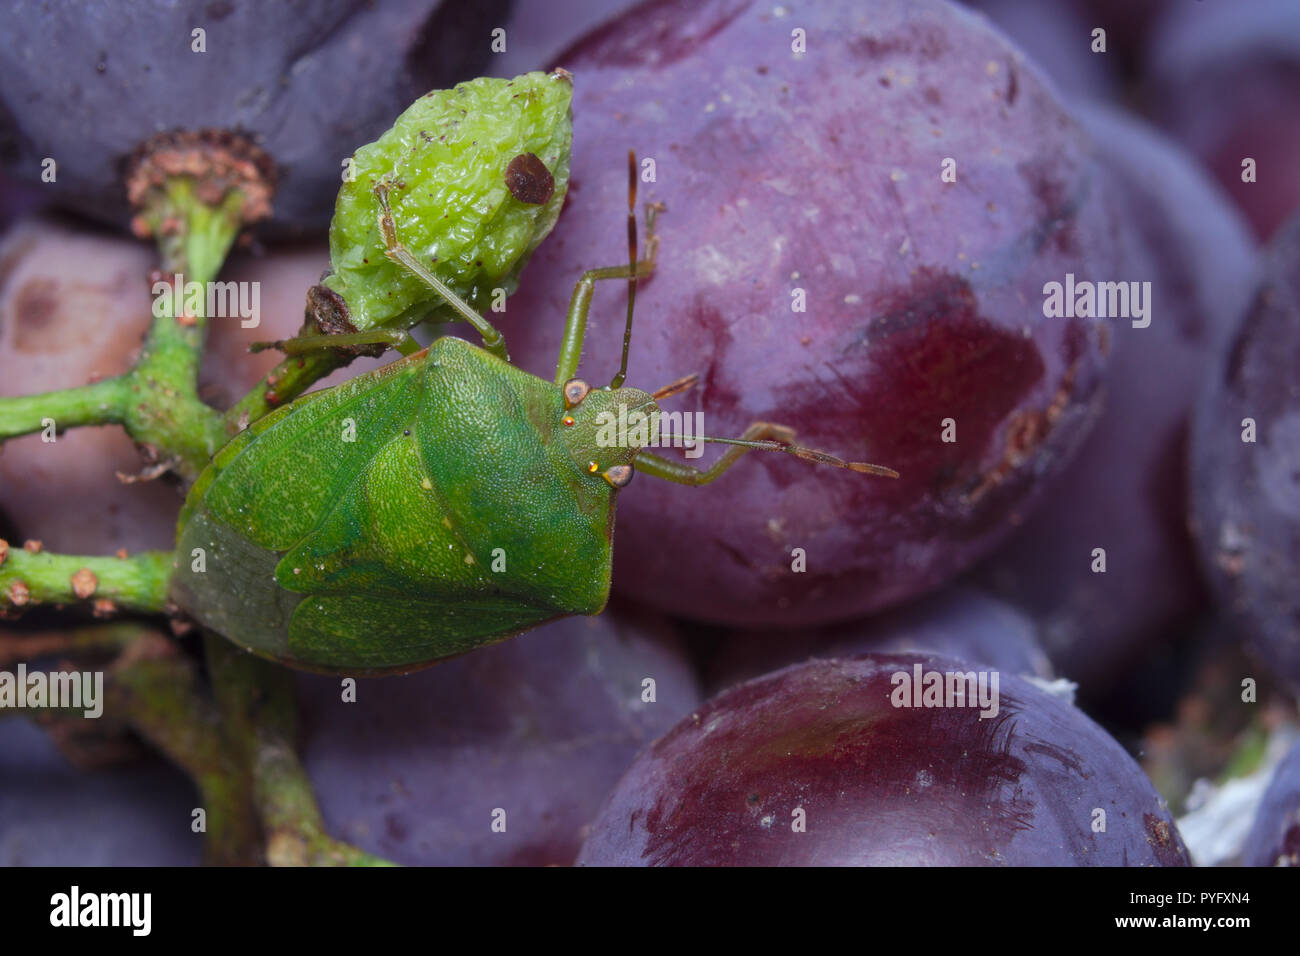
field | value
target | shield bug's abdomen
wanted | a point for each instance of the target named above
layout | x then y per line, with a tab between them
410	514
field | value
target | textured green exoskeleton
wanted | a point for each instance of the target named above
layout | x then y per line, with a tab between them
378	553
441	503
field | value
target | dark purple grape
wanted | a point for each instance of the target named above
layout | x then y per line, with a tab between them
52	814
17	200
1224	79
1126	490
821	172
1128	24
1246	493
85	83
538	32
882	785
539	727
959	622
1275	835
1131	19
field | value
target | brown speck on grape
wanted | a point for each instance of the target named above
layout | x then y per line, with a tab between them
32	545
529	180
1158	832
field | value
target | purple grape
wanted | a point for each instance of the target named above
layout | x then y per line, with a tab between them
539	727
1275	835
311	82
65	492
54	815
959	622
538	32
882	785
924	300
1058	39
1246	493
1224	79
1129	25
1126	490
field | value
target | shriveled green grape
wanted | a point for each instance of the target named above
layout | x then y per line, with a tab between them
446	161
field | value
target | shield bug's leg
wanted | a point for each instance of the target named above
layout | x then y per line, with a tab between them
575	326
683	384
493	341
399	339
764	436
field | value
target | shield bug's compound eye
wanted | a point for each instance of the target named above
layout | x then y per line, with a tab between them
567	421
619	475
575	390
529	180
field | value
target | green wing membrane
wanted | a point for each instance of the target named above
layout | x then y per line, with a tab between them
412	593
510	485
276	488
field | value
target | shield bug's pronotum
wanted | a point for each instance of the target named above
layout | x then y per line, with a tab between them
446	501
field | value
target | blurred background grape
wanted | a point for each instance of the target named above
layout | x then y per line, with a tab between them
310	82
538	728
52	814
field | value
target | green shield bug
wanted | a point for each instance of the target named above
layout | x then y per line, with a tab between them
446	501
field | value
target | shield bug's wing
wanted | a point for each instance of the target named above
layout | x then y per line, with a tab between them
477	528
267	489
408	515
512	488
273	482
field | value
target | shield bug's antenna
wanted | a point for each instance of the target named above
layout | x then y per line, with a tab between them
617	380
676	388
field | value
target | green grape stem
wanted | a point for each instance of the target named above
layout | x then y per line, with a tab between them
134	583
157	400
259	713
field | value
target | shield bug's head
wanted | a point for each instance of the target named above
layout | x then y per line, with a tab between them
604	428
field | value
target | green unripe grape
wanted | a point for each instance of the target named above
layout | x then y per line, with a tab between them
446	161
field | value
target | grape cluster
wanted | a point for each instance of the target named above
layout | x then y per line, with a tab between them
1093	548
